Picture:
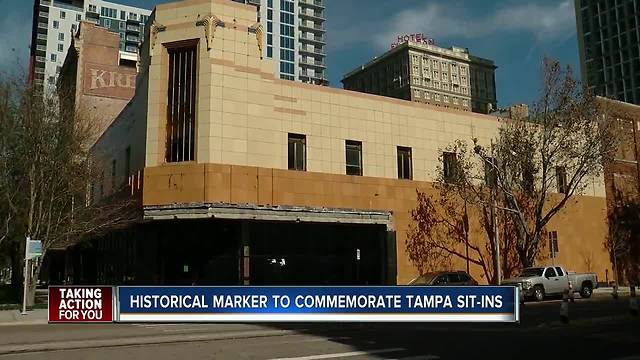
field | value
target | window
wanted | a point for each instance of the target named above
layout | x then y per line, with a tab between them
113	175
449	166
73	28
93	8
353	152
54	57
56	24
62	14
60	47
561	178
297	152
559	271
102	184
121	26
553	244
405	167
78	17
490	178
107	23
52	80
549	273
182	79
61	36
127	161
440	280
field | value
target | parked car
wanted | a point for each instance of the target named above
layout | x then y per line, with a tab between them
444	278
539	282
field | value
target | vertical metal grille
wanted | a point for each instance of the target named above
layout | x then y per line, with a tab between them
181	110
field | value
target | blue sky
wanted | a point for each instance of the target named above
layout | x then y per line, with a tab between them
516	34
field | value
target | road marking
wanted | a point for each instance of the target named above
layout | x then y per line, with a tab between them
420	357
344	354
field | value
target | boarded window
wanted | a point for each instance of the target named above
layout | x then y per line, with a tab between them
490	175
181	105
127	163
561	178
113	175
405	167
297	152
627	148
353	150
553	244
449	165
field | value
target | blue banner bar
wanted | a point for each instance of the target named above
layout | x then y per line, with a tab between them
326	303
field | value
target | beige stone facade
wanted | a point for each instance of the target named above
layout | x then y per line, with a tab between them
244	117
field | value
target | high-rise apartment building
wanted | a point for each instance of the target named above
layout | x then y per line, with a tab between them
295	38
55	23
609	47
422	72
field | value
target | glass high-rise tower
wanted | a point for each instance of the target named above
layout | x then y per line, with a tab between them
608	35
295	38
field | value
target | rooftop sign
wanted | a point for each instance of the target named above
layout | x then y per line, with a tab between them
419	38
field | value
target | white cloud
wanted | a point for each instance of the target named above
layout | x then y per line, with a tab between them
15	37
546	22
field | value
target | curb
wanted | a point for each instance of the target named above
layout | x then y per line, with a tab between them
18	323
139	340
580	322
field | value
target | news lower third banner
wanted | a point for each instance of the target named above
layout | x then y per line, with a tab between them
284	304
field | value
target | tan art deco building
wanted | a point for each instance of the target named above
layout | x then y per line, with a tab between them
425	73
251	179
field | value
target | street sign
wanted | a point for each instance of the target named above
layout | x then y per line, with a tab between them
34	248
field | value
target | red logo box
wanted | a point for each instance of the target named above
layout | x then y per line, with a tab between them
80	304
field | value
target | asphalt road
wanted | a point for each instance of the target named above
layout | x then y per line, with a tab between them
598	329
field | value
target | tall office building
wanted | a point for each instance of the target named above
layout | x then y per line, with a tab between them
295	37
609	47
55	22
419	71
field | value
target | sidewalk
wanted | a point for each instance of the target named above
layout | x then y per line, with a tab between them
622	290
14	317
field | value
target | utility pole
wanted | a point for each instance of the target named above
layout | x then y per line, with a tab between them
26	276
494	217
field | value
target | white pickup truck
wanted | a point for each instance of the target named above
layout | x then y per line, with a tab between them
539	282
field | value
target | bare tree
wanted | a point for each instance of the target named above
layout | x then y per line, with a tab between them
559	147
457	221
623	242
45	169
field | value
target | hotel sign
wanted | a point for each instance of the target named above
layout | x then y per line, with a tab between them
109	81
418	38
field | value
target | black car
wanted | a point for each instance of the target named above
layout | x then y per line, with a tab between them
443	278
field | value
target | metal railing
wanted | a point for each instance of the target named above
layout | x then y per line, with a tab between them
313	14
312	38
